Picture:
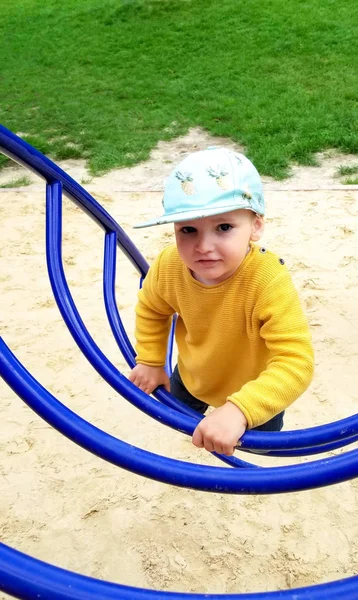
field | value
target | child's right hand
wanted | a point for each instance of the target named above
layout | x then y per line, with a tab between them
149	378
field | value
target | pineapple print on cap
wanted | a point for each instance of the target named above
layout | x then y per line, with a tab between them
247	194
186	182
208	181
221	177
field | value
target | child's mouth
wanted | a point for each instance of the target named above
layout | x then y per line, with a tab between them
207	262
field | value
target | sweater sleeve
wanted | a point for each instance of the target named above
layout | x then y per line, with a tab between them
153	320
289	369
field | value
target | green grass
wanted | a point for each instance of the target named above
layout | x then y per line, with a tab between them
352	170
348	172
107	79
351	181
14	183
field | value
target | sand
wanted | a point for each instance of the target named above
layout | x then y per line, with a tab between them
65	506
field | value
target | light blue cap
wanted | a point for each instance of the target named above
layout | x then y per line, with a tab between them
210	182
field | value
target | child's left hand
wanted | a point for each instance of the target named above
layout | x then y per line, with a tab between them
220	431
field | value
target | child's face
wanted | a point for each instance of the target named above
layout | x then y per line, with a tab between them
214	247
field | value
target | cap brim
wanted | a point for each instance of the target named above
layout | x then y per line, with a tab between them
191	215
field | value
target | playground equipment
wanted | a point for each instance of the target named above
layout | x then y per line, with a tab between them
27	578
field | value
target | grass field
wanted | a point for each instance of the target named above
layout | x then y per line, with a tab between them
106	80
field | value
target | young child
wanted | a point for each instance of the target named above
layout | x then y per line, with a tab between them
244	345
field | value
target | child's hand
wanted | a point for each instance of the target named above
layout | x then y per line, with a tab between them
148	378
220	431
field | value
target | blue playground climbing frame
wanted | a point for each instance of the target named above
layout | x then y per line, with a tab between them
27	578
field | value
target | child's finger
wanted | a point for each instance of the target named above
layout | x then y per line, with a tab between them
228	450
208	445
144	386
218	448
133	379
198	438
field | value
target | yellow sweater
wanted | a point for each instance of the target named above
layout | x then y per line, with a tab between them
245	340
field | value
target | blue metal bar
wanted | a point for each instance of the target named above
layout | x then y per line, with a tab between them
27	578
109	294
169	354
24	154
272	480
307	451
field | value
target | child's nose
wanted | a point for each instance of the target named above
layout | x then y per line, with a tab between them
204	244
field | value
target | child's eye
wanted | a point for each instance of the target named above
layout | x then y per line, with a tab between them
224	227
188	230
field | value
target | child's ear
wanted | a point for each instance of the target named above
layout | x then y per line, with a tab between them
258	226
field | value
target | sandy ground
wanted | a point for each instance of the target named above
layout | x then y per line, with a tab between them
65	506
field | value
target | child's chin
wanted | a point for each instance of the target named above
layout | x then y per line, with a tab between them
215	276
210	273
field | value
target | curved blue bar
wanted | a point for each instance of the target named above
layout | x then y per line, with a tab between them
307	451
169	354
109	294
27	578
27	156
272	480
